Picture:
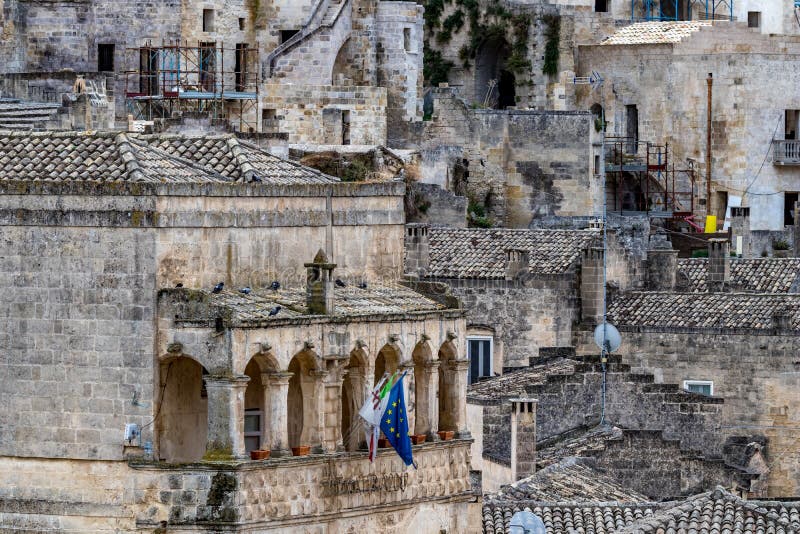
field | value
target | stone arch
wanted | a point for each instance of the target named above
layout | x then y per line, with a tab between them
387	360
257	400
302	399
599	115
182	413
448	394
422	358
495	84
353	394
344	71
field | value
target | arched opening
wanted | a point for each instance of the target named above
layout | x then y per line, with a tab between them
421	356
256	402
599	117
495	85
448	404
344	70
183	412
387	361
301	394
353	389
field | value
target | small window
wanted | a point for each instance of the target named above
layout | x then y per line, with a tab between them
479	352
753	19
105	58
407	39
601	6
597	164
208	20
287	34
703	387
241	24
789	200
252	430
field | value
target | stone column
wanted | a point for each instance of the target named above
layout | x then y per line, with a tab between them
278	394
427	412
316	435
225	417
357	377
408	392
460	369
332	419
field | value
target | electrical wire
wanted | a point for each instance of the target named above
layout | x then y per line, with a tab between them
160	397
769	148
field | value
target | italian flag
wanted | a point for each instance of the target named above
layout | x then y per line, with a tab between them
373	410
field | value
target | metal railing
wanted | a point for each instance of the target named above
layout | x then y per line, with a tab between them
786	152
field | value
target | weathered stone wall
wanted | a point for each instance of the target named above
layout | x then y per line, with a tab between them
753	86
522	165
434	205
278	496
300	112
754	372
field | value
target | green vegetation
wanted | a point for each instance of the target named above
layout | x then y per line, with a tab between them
781	244
476	215
552	36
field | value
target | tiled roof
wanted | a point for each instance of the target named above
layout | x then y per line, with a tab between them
720	511
124	157
567	517
571	444
513	383
481	253
103	157
237	160
349	301
703	310
571	479
763	275
655	32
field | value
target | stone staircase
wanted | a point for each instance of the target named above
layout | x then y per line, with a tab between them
16	114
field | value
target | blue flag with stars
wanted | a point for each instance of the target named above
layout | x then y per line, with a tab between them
394	423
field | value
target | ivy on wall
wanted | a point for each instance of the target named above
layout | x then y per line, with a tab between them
552	35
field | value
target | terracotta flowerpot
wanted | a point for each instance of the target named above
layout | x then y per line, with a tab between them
416	439
260	454
301	450
383	443
446	435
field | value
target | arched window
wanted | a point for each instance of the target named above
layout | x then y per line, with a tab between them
301	401
257	399
183	410
387	361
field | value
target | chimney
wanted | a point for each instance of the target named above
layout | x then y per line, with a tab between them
592	285
523	438
319	285
417	249
719	265
740	228
662	263
782	320
517	262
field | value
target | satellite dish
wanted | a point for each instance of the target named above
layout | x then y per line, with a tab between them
612	338
526	523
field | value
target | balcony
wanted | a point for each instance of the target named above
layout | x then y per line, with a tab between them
786	152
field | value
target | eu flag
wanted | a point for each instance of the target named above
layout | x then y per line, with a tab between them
394	423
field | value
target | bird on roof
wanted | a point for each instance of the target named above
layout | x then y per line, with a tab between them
246	290
362	285
218	287
255	179
274	311
275	285
339	283
179	284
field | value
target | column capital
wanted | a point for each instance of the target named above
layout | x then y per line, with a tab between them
462	364
432	365
317	373
276	378
407	366
222	381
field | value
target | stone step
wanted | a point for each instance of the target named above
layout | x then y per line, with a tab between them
28	113
10	106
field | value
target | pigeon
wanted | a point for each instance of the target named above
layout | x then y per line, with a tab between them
246	290
179	284
274	311
256	179
275	285
362	285
218	287
339	283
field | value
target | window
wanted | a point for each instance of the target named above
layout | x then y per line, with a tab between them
753	19
601	6
479	352
208	20
252	430
703	387
287	34
407	39
789	200
597	164
632	128
105	58
241	24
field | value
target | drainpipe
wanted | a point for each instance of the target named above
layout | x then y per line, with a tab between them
710	82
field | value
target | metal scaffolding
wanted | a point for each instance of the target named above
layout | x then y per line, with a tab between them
675	10
181	78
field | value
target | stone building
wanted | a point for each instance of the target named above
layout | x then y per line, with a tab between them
112	245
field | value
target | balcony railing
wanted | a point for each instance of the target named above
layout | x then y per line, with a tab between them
786	152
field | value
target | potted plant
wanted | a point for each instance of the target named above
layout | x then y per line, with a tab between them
383	443
446	435
301	450
260	454
416	439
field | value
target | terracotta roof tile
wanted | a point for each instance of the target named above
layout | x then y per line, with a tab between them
655	32
762	275
480	253
513	383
